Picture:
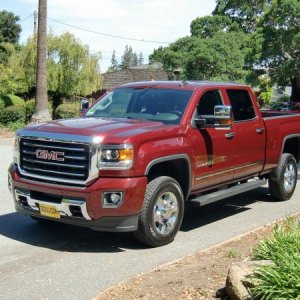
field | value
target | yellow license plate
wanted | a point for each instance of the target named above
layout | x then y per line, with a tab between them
49	211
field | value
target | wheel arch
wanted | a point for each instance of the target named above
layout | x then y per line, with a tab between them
176	166
291	144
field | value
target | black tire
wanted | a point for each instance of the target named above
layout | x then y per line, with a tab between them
164	202
283	179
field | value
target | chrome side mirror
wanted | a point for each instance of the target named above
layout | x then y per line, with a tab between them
222	118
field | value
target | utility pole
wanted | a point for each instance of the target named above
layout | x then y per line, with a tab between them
41	113
34	22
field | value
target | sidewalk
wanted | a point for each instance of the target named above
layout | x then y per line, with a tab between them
6	141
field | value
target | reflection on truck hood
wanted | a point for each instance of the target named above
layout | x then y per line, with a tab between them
106	127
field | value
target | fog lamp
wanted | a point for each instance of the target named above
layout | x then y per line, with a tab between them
112	199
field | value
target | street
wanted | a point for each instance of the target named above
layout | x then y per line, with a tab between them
57	261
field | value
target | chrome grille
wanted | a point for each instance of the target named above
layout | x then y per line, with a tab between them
57	160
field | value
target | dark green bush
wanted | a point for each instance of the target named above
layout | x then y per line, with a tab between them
29	108
12	114
10	100
66	111
17	101
2	105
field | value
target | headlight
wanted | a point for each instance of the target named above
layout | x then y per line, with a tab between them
115	157
16	150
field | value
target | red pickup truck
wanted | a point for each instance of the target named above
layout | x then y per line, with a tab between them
145	149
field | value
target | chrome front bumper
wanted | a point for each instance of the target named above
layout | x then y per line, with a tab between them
72	208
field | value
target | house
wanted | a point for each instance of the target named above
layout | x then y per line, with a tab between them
132	74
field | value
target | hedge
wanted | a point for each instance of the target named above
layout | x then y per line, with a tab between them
10	100
13	114
66	111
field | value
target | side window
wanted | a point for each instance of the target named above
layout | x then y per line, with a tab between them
242	106
208	101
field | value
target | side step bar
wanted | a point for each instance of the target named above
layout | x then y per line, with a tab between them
225	193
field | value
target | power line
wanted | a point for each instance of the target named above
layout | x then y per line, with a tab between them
26	18
110	35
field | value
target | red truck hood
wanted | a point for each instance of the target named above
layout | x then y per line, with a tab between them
107	128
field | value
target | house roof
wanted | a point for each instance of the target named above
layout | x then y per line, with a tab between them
133	74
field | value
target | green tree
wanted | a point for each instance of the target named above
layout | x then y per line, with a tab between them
71	69
9	28
129	58
274	26
140	58
245	13
277	44
11	80
207	27
9	34
114	62
212	52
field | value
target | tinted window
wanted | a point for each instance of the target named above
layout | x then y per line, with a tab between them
208	102
241	104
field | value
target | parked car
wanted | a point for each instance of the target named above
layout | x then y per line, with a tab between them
145	149
286	106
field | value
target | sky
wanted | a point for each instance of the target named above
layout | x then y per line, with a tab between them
143	24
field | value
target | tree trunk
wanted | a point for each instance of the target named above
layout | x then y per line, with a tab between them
41	108
295	96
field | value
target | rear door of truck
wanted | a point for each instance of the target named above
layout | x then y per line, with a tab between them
247	133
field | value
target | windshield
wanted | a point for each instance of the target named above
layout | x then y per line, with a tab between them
164	105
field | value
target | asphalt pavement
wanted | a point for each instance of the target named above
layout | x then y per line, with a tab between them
57	261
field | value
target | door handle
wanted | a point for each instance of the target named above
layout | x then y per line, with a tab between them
229	135
260	130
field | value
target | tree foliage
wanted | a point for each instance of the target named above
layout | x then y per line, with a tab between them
71	69
241	41
278	44
9	34
212	52
207	27
128	59
9	28
245	13
114	62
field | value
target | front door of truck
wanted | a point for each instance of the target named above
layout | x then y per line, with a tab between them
248	134
212	148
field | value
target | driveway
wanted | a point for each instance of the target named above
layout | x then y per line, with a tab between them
57	261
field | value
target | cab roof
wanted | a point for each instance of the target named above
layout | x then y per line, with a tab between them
189	84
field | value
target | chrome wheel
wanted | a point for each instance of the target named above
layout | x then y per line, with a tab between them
165	213
283	179
162	212
289	177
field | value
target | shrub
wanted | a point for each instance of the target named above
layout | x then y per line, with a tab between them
16	100
10	100
29	108
66	111
14	126
280	281
12	114
2	105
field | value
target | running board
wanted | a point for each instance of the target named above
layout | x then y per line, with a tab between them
232	191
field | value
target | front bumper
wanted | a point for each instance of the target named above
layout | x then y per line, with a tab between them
81	206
